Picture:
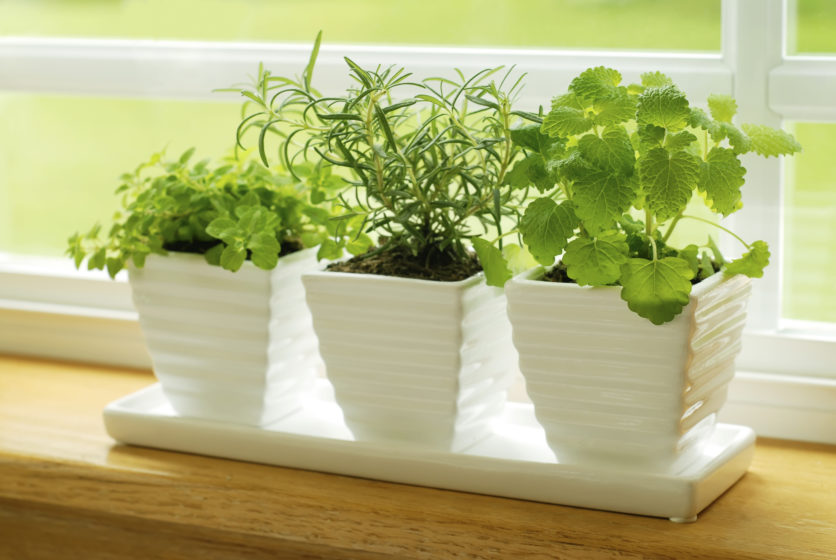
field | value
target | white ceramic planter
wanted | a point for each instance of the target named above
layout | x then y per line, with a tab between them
232	347
416	361
609	386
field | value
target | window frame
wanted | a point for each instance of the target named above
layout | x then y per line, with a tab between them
48	309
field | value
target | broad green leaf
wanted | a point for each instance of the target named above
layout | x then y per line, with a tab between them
655	79
668	180
768	141
615	108
530	171
722	107
611	152
679	141
738	140
265	250
359	244
752	263
114	265
223	228
568	100
546	227
699	119
519	259
664	106
527	137
329	250
601	198
531	138
565	121
213	255
690	254
650	136
721	177
233	257
597	261
596	83
493	263
656	290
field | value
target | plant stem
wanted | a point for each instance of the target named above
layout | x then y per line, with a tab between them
672	226
730	232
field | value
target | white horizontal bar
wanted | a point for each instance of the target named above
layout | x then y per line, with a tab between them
172	69
804	89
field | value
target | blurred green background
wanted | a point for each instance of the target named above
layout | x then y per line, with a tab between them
60	156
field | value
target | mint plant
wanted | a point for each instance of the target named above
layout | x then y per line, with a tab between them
427	159
231	212
616	167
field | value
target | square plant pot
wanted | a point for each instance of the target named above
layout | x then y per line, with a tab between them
232	347
422	362
609	386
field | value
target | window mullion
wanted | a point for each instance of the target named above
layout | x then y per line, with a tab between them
752	47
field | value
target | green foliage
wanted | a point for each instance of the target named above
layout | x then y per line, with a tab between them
432	163
752	263
630	159
768	141
546	227
231	212
656	289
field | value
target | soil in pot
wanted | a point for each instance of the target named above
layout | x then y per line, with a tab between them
401	263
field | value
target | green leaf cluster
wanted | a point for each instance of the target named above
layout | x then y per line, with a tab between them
616	165
229	212
431	162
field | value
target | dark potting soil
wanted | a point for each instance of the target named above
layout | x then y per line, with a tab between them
558	274
401	263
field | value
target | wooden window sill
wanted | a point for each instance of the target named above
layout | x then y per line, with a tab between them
67	490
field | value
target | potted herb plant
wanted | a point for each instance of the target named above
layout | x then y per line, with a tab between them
616	167
416	345
228	347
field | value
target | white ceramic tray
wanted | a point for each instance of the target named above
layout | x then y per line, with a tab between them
514	462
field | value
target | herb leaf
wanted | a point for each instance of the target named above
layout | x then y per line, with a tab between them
768	141
752	263
596	261
667	180
656	290
493	263
546	227
664	106
721	176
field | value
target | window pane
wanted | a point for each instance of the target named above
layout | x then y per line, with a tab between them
813	30
633	24
60	158
810	226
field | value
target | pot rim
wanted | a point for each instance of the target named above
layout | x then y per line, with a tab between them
380	278
531	277
198	258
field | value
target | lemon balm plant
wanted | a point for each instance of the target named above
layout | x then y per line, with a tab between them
416	345
617	166
228	347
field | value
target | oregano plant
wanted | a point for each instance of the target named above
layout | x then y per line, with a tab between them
230	212
616	166
426	160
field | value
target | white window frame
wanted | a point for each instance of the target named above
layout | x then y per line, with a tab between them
786	386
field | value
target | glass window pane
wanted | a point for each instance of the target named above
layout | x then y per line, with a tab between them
60	158
633	24
812	32
810	226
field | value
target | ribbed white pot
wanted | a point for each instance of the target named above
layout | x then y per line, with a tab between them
612	387
232	347
416	361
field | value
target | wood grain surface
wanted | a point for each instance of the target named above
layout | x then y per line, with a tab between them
68	491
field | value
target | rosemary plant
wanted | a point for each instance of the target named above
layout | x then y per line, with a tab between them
428	160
